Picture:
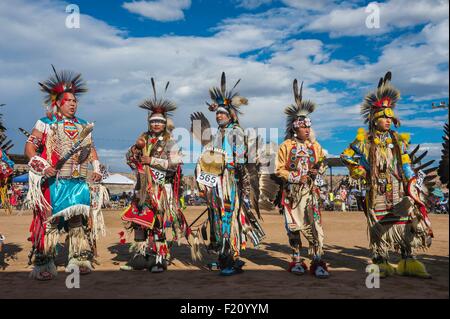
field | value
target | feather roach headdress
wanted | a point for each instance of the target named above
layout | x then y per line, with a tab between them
297	114
60	83
381	102
226	101
158	108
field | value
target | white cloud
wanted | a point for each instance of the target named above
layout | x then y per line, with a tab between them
159	10
394	14
313	5
252	4
419	63
434	150
434	122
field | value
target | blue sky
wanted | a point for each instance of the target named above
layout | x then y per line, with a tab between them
198	20
266	43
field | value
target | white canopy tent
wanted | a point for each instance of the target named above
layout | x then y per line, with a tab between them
118	179
118	184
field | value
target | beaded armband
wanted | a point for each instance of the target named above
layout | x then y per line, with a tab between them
38	165
36	141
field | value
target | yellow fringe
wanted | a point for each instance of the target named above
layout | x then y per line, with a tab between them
412	267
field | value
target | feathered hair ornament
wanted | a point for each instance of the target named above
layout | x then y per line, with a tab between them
381	102
297	114
226	101
60	83
158	108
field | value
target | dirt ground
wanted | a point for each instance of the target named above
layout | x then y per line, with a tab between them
346	251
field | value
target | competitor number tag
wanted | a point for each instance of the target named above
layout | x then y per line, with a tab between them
420	179
319	181
160	176
207	179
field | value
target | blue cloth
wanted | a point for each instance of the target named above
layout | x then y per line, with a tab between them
438	193
21	179
7	160
409	173
362	160
66	193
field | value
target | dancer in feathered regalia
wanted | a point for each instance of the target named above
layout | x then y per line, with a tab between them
225	175
300	164
396	196
155	215
60	148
